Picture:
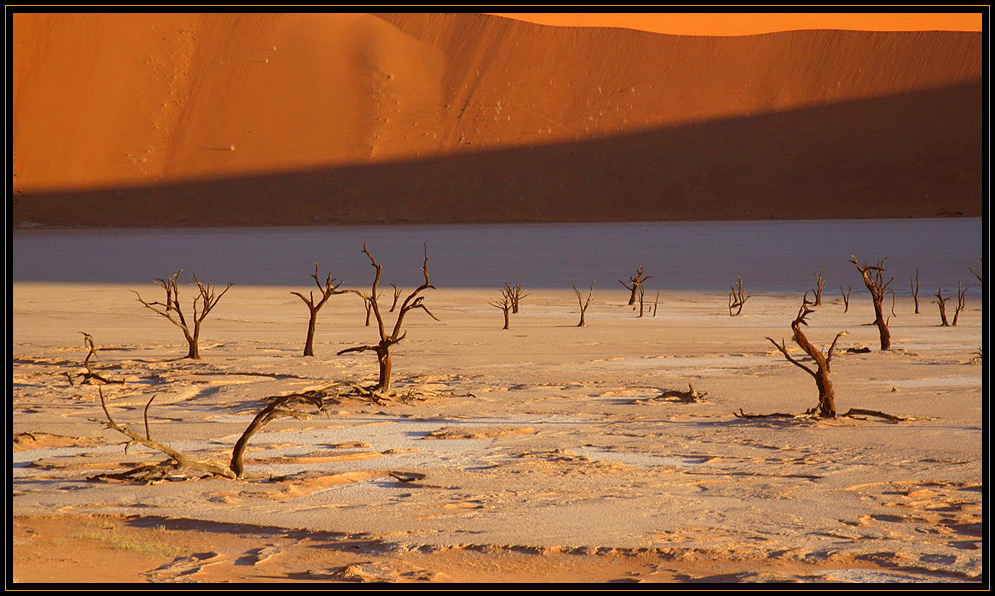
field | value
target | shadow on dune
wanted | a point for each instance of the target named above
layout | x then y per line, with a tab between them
916	154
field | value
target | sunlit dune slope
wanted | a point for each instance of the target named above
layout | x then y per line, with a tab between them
137	112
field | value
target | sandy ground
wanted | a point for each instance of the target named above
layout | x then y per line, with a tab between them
540	453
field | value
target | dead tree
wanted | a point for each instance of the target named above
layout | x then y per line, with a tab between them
914	284
515	295
737	297
584	302
642	293
827	396
637	282
961	300
387	340
206	299
873	276
941	302
397	294
977	273
846	297
327	291
656	301
505	304
819	284
892	292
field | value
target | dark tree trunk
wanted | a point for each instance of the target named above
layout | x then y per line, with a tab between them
827	395
632	297
506	318
882	324
193	351
309	343
383	359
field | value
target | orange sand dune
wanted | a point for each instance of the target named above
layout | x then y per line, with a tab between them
138	113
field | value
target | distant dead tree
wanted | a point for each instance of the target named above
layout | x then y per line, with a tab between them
387	340
846	297
206	299
941	302
737	297
892	292
827	396
327	290
977	273
585	302
515	294
642	295
819	284
397	294
914	284
873	276
637	281
505	304
656	301
961	301
88	374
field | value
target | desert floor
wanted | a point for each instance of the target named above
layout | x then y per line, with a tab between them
540	453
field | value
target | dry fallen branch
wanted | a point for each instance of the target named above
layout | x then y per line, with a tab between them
177	460
855	413
684	397
296	405
286	405
88	373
